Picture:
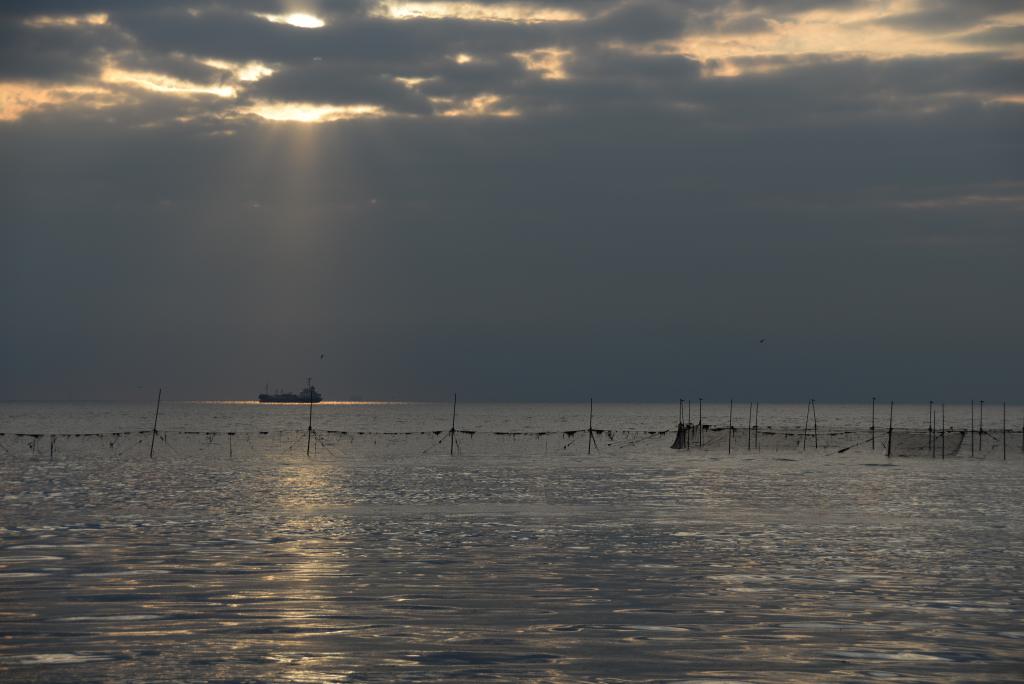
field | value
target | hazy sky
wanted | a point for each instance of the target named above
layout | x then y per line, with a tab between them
524	201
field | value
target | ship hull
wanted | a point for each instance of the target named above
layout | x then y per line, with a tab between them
287	399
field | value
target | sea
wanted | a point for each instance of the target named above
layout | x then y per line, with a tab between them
364	541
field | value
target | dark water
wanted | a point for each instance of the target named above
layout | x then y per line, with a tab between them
388	563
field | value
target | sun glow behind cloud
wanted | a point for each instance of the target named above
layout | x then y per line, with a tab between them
46	21
790	40
162	83
304	112
18	99
297	19
473	11
837	32
248	72
487	104
548	62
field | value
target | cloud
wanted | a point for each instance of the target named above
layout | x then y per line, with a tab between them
951	15
624	180
53	52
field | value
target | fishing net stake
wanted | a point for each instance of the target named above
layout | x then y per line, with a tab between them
309	430
750	424
814	416
451	446
757	419
730	427
981	422
943	432
971	433
700	422
807	418
931	428
682	441
888	447
872	423
152	441
590	428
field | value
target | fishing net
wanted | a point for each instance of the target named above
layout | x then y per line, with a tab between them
684	438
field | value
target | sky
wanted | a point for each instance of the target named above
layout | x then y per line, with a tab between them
631	200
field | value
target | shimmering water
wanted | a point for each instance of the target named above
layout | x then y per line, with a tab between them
389	563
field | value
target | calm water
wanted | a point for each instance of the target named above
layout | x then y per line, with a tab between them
388	559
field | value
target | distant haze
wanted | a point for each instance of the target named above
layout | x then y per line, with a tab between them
630	200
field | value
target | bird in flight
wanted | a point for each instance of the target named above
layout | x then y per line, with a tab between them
762	340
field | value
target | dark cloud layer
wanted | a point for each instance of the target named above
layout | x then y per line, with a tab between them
630	228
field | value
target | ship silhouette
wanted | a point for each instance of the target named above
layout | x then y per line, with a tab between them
309	395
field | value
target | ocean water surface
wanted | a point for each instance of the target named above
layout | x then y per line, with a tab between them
386	557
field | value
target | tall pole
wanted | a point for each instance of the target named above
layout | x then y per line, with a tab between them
931	427
807	418
152	441
888	452
757	419
971	433
1004	430
872	423
451	447
700	422
750	424
590	427
309	430
943	431
814	415
730	426
981	422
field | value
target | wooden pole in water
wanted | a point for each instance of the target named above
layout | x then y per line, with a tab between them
152	441
814	415
807	418
1004	430
700	422
931	427
943	431
53	440
971	433
730	426
872	423
451	447
757	418
590	427
981	422
888	450
750	424
309	430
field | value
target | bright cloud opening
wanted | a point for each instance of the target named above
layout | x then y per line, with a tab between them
841	32
247	72
548	62
161	83
298	20
16	99
472	11
486	104
95	19
304	112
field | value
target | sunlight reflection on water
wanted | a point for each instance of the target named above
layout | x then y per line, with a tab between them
395	564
